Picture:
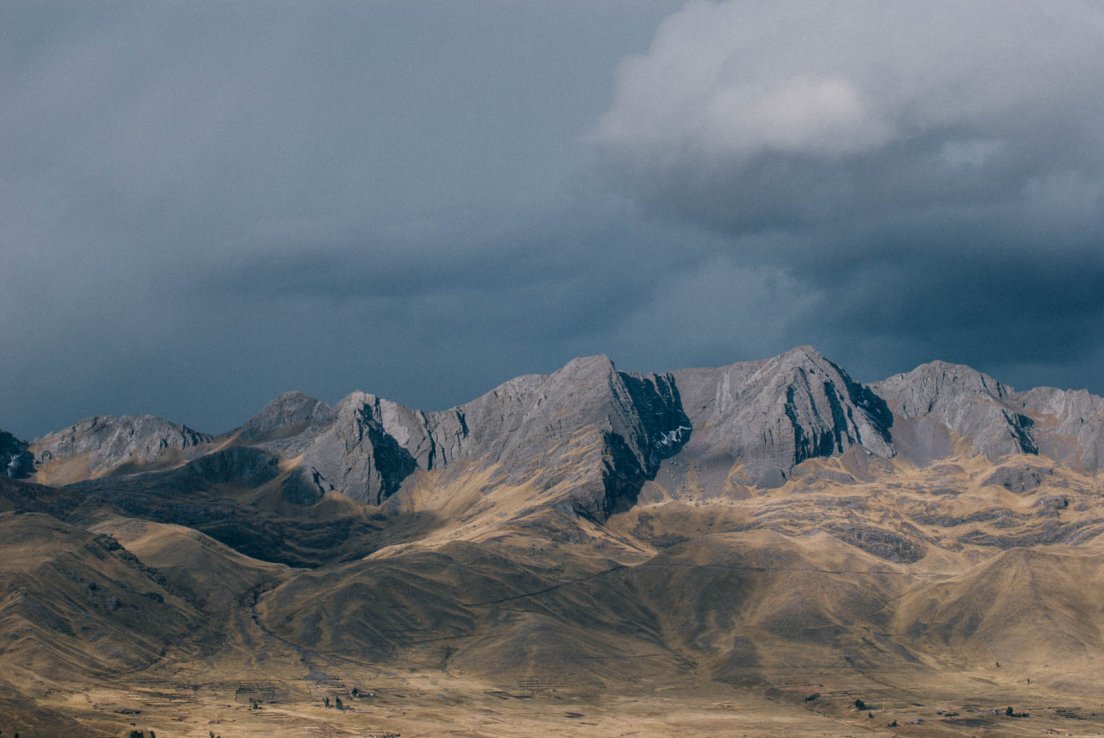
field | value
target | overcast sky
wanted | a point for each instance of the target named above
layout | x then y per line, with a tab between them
203	204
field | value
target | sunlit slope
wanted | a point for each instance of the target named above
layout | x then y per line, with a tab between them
736	607
1035	611
73	602
211	575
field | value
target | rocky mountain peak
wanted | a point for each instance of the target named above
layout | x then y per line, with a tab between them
771	415
1069	425
288	415
108	444
939	384
805	354
614	427
951	404
587	365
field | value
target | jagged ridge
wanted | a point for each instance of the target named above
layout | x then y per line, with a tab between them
597	434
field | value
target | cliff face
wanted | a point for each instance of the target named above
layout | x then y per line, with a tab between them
769	416
587	426
940	405
16	462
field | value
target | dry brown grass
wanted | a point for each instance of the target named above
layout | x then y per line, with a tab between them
500	615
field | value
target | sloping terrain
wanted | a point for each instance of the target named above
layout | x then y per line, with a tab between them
74	602
751	548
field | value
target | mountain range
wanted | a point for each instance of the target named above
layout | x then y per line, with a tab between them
771	533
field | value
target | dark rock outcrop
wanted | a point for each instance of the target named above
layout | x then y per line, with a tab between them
235	467
1020	478
885	544
16	462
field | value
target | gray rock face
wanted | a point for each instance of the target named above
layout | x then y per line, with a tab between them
615	426
356	454
587	402
16	462
771	415
130	442
939	405
942	404
589	427
290	415
591	435
1068	425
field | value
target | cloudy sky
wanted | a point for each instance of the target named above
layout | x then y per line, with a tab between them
203	204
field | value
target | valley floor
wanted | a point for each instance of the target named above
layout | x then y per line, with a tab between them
435	704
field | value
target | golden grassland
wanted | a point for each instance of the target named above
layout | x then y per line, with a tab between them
935	598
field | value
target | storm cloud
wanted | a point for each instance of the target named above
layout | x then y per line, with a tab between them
205	204
933	174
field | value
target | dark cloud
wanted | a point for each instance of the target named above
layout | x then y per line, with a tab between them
205	204
931	177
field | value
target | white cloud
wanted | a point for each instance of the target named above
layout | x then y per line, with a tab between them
728	82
